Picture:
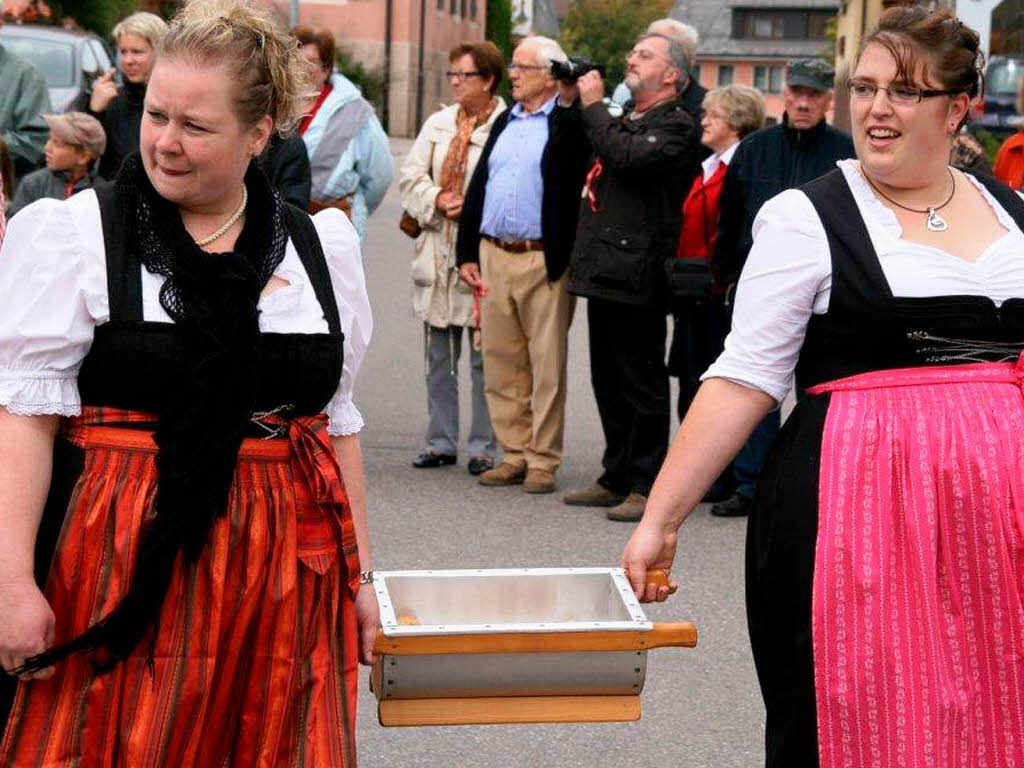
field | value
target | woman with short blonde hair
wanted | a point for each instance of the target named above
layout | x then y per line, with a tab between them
742	106
117	102
202	602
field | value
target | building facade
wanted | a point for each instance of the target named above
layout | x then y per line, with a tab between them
405	42
748	42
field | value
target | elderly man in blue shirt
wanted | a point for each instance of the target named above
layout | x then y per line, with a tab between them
516	233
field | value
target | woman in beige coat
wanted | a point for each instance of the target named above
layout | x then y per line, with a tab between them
433	181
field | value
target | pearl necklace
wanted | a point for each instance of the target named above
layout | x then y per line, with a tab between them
229	223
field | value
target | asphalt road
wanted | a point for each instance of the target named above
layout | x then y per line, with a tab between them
701	707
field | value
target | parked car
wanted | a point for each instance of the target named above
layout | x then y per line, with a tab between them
997	112
69	60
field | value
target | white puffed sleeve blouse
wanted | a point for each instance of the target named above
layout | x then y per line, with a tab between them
53	294
788	277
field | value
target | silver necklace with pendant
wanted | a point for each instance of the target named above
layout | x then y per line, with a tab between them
934	222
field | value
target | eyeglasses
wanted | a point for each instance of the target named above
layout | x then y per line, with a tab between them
645	55
452	74
903	95
517	65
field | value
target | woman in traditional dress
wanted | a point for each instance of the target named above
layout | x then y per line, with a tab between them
433	180
885	560
206	514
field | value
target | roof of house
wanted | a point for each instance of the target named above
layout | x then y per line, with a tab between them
713	21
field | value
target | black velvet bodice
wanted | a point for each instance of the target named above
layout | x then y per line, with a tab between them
866	328
136	364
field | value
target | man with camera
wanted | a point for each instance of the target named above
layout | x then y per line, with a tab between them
515	235
629	224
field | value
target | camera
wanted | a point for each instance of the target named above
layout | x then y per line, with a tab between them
572	70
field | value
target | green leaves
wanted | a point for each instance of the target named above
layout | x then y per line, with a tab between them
605	30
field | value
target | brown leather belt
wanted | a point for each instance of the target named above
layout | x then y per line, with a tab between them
515	246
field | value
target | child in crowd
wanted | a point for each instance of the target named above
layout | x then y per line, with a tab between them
76	142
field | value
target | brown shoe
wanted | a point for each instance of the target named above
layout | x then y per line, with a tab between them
629	511
539	481
503	474
594	495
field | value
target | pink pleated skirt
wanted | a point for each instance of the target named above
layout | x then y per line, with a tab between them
918	594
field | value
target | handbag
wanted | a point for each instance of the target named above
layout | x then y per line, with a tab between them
408	223
689	279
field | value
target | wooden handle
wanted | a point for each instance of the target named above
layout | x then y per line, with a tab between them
663	635
672	634
659	577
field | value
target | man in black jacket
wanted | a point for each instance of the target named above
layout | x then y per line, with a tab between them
768	162
629	225
516	232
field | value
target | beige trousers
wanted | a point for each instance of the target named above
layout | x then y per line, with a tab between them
524	323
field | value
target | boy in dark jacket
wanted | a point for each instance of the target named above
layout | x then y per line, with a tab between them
76	142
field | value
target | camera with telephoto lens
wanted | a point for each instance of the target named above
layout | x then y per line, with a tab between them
572	70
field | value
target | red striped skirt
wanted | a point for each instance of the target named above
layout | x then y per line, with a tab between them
255	655
918	603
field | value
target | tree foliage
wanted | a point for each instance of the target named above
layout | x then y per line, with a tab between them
499	32
605	30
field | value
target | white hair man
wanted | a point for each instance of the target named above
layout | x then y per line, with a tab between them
690	91
516	232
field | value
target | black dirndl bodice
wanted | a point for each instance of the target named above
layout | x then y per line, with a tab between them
134	364
865	329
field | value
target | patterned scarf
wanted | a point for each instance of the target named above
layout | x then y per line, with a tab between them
453	171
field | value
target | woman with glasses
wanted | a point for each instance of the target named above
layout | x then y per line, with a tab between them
433	180
885	555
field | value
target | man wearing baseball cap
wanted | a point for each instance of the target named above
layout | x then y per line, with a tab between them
76	142
797	150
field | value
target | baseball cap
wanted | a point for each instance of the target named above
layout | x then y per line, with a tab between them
79	129
810	73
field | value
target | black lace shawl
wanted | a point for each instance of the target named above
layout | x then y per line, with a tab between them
212	298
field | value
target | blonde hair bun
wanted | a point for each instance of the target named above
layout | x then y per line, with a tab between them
270	75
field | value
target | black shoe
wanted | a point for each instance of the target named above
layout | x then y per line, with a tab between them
480	464
429	460
735	506
716	496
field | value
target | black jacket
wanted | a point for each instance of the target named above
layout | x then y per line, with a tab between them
122	120
692	98
767	162
622	246
286	164
563	166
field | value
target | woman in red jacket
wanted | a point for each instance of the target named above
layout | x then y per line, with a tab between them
730	113
1010	160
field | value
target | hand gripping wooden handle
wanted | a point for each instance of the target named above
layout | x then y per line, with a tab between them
659	577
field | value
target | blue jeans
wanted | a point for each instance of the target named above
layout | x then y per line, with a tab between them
747	465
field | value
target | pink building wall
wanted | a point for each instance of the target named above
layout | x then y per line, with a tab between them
743	74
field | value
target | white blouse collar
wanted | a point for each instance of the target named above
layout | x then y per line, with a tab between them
880	217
